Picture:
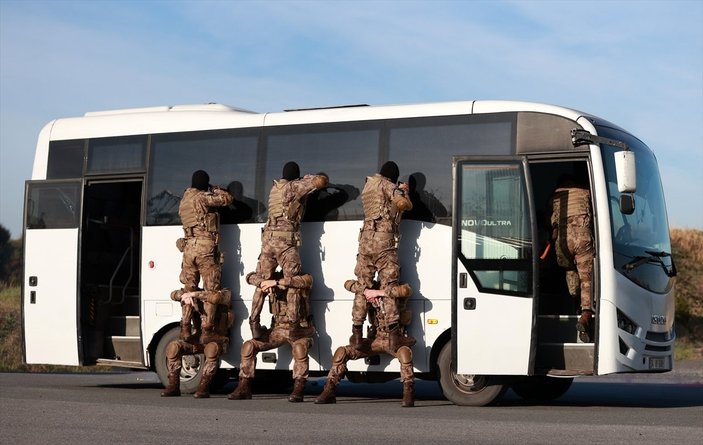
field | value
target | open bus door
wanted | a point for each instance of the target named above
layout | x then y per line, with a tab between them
50	282
493	288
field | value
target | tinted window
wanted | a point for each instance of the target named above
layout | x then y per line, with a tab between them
65	159
229	158
117	155
495	238
423	149
347	154
53	205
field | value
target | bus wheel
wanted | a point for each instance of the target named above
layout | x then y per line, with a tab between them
541	388
465	389
190	371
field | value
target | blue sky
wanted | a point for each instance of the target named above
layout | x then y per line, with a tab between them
638	64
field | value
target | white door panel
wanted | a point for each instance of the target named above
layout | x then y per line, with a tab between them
494	337
50	306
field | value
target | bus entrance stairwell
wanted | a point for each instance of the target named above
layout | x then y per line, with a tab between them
560	351
110	247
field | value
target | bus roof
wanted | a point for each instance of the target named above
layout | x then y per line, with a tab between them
211	116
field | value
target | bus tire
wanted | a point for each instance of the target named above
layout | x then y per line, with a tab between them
191	370
466	390
541	388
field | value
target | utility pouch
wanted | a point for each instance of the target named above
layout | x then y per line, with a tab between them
181	244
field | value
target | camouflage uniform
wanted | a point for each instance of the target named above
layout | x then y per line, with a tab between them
298	335
201	256
212	343
383	205
201	230
280	240
378	342
573	234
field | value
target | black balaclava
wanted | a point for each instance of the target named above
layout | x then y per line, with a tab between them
201	180
291	171
390	171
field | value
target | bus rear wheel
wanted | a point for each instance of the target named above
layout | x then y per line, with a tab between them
465	389
541	388
191	370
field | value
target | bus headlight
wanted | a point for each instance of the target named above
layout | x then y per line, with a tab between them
626	324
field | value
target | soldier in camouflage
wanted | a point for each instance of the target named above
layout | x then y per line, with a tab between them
279	289
201	229
378	342
572	230
219	317
383	203
280	240
206	315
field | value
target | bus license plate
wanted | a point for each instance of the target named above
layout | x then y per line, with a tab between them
657	363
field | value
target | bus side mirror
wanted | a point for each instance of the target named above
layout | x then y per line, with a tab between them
625	171
627	204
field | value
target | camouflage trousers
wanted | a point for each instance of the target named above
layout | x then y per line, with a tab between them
178	348
276	338
575	252
378	253
380	345
278	251
200	258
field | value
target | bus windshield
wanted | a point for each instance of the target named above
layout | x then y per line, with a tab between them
641	245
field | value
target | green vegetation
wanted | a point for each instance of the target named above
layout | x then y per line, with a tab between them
687	245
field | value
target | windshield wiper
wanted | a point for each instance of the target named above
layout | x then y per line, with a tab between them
652	257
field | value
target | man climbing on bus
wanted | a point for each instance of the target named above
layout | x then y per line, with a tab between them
378	342
280	241
572	230
384	201
212	344
279	290
200	242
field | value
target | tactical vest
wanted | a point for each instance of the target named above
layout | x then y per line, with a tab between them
278	306
292	211
375	203
192	216
570	201
276	208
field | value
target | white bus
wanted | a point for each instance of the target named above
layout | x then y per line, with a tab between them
101	222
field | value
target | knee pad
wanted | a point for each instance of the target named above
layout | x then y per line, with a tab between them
300	350
212	350
247	349
173	350
340	355
405	355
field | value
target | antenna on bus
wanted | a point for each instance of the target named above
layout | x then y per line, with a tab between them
328	108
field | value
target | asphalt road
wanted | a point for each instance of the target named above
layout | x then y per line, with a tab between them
125	408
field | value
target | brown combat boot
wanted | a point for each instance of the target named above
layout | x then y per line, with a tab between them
186	332
242	391
298	390
357	335
258	332
173	389
327	395
408	394
203	391
584	326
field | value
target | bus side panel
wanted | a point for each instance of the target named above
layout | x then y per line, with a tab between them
161	266
49	300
